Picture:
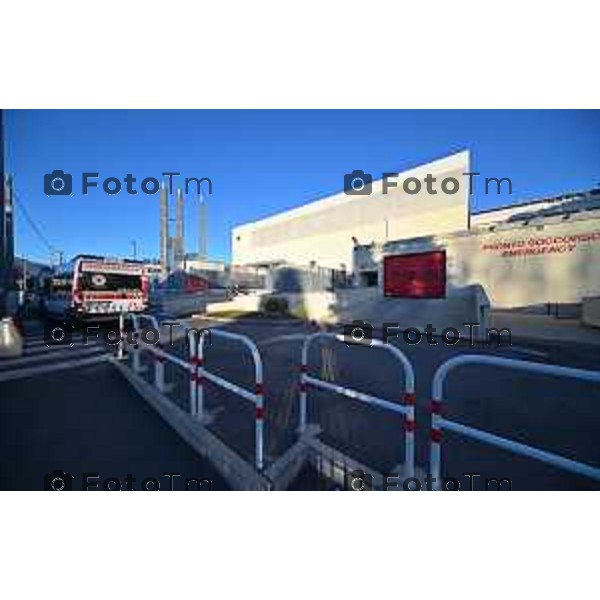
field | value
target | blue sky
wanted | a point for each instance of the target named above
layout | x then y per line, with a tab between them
262	162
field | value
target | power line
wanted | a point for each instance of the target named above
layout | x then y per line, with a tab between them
32	224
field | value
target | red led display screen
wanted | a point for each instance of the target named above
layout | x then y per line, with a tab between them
420	275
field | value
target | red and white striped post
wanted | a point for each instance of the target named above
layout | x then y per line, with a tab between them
193	343
195	364
259	422
121	347
435	435
303	395
410	400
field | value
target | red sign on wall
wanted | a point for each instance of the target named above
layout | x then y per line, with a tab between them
420	275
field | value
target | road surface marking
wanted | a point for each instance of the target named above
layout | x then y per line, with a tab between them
31	342
58	366
71	352
27	351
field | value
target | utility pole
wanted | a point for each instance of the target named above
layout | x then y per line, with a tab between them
6	233
9	245
24	276
3	274
11	341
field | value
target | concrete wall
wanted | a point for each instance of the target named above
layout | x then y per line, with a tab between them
317	306
179	304
462	305
249	303
591	312
322	231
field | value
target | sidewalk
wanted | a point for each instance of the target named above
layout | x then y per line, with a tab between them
89	420
545	328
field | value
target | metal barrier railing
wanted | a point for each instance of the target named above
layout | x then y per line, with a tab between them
438	422
407	409
155	348
198	373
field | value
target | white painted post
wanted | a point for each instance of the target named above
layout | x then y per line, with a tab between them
200	375
409	433
259	424
303	391
193	343
121	348
159	372
303	385
136	351
435	451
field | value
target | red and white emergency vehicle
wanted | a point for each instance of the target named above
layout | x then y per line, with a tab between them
95	288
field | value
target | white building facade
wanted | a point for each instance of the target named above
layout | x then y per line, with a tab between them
325	231
427	245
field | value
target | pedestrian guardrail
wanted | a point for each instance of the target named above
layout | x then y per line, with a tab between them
439	423
407	408
194	365
136	347
135	319
199	373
